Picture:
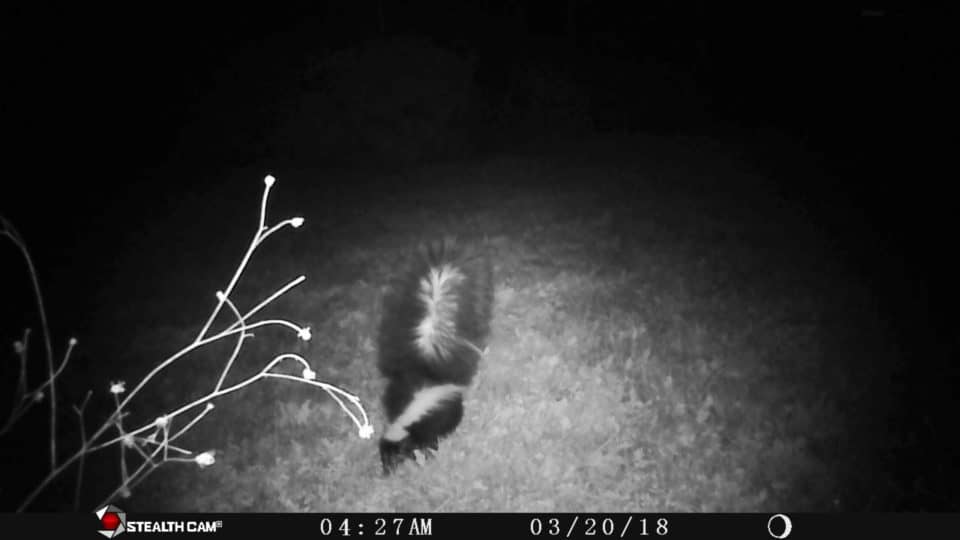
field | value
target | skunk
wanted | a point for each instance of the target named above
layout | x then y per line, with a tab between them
434	327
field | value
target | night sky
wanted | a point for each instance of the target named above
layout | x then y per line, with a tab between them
116	117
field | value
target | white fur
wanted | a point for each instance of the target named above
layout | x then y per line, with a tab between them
436	333
424	401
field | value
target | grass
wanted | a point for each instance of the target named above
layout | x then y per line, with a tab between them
658	345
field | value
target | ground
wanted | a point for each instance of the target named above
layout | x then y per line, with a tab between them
670	334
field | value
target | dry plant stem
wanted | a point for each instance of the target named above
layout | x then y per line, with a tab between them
199	341
195	345
332	391
161	426
20	403
22	381
264	373
222	297
123	448
145	468
14	236
269	299
49	350
236	349
24	399
149	465
243	262
115	417
83	444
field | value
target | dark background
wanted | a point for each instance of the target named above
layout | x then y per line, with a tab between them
114	115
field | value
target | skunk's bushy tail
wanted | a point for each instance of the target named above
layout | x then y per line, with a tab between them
435	325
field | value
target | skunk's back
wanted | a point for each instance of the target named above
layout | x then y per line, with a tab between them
436	314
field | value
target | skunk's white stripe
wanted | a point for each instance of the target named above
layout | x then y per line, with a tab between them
436	333
424	401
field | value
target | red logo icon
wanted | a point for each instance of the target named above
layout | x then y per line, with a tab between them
113	520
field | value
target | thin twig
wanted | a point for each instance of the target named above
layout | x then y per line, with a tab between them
11	232
83	444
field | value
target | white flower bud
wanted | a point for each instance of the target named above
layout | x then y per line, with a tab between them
205	459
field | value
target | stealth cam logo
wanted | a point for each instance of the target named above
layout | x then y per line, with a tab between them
112	519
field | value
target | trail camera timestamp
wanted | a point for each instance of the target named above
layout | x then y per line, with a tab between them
618	527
